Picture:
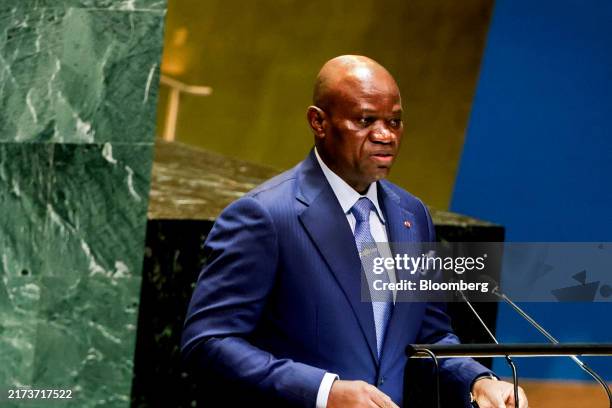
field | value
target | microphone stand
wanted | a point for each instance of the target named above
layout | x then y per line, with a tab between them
436	371
508	359
553	340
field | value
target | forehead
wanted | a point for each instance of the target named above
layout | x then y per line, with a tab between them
365	90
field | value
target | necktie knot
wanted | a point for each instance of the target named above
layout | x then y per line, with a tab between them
361	209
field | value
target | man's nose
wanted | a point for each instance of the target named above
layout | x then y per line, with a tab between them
382	134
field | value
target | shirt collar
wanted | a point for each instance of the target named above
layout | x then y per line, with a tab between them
347	196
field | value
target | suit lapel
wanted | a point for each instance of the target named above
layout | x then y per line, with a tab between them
401	228
328	228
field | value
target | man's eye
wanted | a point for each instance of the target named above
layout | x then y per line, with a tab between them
365	121
395	123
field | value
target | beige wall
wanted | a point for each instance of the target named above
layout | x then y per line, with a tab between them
261	58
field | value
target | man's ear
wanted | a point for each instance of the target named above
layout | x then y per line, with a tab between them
316	119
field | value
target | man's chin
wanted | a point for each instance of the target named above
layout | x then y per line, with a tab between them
381	174
383	171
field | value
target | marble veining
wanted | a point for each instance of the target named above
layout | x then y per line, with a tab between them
79	75
78	93
126	5
191	183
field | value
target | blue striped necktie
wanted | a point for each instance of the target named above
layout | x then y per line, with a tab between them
383	305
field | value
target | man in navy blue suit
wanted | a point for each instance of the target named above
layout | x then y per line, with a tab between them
276	318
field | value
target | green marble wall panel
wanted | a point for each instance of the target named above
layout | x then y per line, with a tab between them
19	300
75	210
78	75
78	94
127	5
85	338
72	236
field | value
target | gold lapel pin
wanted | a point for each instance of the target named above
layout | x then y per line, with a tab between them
407	224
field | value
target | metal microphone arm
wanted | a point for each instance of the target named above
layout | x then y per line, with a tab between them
508	359
553	340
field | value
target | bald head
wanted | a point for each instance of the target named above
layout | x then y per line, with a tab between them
348	71
356	119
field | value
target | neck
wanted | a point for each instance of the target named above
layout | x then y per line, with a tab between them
359	187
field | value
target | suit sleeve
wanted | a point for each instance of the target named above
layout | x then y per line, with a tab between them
457	374
227	303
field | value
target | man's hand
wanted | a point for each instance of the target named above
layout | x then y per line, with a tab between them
357	394
497	394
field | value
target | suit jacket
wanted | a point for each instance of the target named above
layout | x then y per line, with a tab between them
278	303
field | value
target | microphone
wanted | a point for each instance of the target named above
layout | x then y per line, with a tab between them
508	359
500	295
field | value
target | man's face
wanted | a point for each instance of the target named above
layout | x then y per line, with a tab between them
363	130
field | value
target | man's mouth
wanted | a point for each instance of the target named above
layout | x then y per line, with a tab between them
384	158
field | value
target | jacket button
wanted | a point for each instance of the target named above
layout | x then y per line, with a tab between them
381	381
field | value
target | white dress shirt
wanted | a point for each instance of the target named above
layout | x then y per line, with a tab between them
347	197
